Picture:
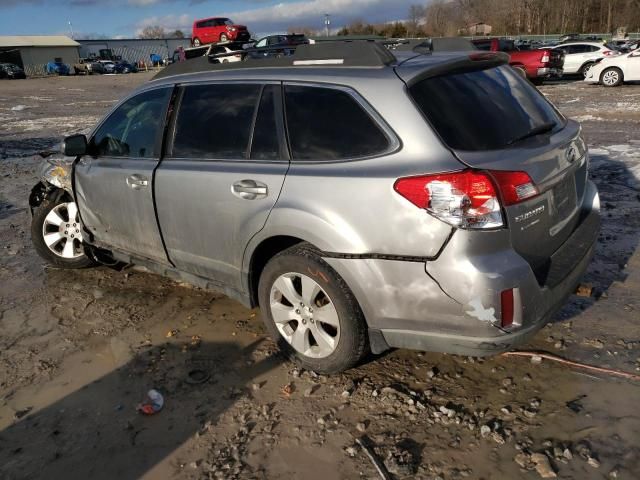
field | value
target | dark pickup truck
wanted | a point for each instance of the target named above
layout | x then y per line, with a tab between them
537	65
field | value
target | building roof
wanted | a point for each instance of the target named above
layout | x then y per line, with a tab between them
37	41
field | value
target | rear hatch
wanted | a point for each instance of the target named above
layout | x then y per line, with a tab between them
492	119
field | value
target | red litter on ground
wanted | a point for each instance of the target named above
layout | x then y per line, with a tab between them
153	404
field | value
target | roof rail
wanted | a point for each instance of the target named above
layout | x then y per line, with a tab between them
350	53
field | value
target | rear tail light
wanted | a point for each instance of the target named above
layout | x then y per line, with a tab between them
467	199
545	58
506	307
608	53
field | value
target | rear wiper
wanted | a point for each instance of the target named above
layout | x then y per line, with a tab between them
539	130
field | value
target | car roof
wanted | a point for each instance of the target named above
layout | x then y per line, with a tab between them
410	66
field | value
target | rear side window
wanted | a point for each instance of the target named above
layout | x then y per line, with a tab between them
215	121
329	124
484	109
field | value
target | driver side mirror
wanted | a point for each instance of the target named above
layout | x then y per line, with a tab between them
74	145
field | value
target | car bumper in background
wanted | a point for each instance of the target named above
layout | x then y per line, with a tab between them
550	72
452	304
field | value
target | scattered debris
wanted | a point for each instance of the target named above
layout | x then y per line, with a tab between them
153	403
363	442
543	465
287	390
584	290
172	333
197	376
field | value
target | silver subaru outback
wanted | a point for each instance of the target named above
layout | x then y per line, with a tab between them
362	200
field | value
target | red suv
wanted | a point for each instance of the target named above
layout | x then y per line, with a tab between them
214	30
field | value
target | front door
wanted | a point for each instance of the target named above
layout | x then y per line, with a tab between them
222	175
114	181
632	67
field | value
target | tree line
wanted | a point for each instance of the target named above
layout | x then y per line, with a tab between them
507	17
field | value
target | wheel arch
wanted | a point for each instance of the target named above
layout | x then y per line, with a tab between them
260	256
45	189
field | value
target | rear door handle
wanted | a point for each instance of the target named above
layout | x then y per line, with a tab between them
249	189
137	181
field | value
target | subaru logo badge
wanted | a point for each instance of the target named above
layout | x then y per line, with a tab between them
572	154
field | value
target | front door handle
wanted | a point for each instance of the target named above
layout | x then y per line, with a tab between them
249	189
137	181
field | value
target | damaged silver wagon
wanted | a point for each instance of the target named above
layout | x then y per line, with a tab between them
438	202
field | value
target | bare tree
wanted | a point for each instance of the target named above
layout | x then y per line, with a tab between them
154	31
416	17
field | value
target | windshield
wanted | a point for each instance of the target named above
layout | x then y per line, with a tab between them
484	109
228	22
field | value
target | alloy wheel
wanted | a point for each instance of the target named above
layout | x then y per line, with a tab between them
610	78
305	315
61	231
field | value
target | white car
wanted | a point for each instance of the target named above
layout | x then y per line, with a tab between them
581	56
612	71
225	50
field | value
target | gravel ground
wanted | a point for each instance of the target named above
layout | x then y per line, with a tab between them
80	349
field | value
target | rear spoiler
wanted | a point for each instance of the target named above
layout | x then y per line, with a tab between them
474	61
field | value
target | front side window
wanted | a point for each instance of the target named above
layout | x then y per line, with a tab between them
329	124
133	129
214	121
262	43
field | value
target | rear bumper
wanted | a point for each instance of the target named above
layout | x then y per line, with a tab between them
452	304
550	72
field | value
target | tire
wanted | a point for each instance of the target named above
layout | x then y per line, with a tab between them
58	254
611	77
340	344
196	42
585	68
537	81
520	71
223	37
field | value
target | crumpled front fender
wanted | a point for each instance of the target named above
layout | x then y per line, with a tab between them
56	170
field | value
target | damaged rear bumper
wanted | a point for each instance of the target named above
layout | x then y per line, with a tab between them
452	304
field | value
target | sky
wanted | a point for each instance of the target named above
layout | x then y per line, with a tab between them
127	18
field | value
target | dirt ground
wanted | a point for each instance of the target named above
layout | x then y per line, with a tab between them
80	349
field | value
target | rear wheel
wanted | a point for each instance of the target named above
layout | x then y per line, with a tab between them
611	77
311	312
584	71
223	37
56	233
521	71
196	42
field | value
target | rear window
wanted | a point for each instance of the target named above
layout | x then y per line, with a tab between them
484	109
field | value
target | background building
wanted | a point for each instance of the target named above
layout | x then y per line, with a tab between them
134	49
33	52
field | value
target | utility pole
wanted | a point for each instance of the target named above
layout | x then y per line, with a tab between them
71	28
327	23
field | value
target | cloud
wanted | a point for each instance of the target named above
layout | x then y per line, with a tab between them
279	17
168	22
311	13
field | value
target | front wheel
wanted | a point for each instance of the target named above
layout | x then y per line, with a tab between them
56	233
311	312
611	77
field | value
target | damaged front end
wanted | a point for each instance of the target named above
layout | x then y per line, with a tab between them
55	178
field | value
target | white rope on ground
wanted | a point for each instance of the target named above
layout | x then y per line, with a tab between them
556	358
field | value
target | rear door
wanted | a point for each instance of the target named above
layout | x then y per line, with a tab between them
495	120
114	182
223	173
